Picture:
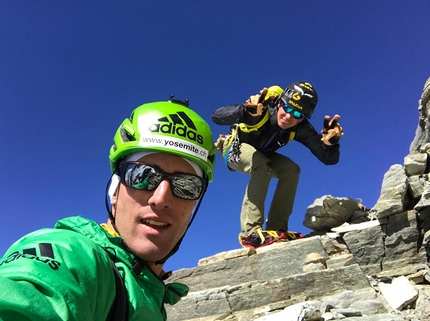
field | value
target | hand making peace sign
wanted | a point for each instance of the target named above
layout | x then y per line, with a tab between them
332	130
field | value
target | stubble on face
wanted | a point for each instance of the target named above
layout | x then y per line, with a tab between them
152	222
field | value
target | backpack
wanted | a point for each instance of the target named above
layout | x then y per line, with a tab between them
328	212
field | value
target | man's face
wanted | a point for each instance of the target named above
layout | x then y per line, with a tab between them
152	222
286	120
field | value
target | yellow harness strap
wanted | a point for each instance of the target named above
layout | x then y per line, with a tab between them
247	129
292	135
250	128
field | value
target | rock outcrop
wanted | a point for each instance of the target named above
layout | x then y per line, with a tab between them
422	134
377	269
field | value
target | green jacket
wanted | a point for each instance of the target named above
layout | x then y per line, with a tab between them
65	273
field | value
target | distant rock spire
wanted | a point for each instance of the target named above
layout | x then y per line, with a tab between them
422	134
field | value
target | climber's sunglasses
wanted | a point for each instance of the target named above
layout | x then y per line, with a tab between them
296	114
147	178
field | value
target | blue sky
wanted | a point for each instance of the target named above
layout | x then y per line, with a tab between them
70	72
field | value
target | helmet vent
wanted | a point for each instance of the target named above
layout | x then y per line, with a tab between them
125	136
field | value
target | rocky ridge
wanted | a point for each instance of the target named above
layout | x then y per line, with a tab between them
376	268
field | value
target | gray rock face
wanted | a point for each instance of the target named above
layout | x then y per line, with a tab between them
373	267
422	133
393	198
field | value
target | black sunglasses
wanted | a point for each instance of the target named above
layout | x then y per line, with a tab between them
147	178
296	114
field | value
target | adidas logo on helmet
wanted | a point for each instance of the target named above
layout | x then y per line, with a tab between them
177	124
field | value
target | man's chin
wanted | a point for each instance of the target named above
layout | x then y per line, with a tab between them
285	126
152	254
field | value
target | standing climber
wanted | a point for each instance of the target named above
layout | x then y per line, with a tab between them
265	123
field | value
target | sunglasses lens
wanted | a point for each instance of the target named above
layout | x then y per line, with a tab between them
147	178
296	114
142	177
187	186
288	109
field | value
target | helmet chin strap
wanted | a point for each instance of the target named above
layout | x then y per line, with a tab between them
108	208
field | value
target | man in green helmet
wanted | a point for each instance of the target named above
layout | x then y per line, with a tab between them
162	161
265	123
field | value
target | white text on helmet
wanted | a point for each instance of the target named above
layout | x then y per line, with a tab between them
307	85
173	129
294	104
155	141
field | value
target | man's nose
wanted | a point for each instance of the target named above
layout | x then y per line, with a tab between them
162	195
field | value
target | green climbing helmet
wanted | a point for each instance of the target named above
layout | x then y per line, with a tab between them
302	97
167	127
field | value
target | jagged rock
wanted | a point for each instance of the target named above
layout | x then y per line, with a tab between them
365	300
367	247
416	185
290	259
425	198
250	295
420	277
304	311
423	301
379	317
227	256
339	261
415	163
315	262
402	241
422	133
293	289
399	293
347	312
393	198
352	227
334	245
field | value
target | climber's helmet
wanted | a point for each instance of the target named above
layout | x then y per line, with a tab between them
166	127
300	96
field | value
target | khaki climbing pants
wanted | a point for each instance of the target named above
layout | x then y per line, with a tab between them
262	169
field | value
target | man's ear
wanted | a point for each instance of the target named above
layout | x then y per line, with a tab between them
113	189
114	197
